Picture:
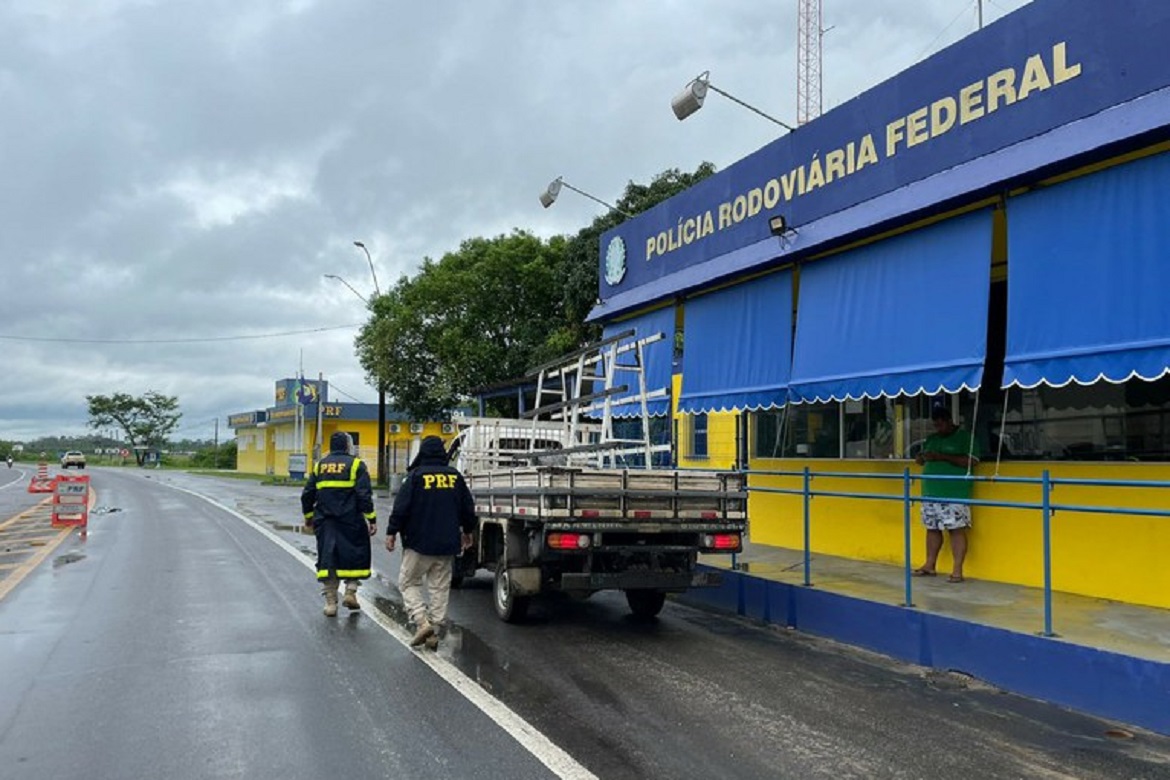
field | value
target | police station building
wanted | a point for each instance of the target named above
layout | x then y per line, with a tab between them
990	228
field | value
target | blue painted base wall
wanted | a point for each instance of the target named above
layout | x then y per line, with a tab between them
1109	685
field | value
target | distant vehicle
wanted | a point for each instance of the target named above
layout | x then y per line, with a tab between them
73	458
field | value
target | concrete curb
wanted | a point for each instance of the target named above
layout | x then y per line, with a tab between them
1099	682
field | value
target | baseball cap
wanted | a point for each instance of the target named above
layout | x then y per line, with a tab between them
940	411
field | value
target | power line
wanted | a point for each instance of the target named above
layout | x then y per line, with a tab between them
205	340
333	386
965	9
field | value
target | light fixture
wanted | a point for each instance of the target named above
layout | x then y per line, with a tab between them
370	260
337	278
779	227
693	94
549	196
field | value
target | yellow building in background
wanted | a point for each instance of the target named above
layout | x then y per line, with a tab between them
301	420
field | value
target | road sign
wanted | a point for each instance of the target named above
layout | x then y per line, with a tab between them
71	500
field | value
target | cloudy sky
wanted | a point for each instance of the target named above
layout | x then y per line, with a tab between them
179	174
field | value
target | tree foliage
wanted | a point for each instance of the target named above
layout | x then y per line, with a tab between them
480	315
493	309
146	420
582	251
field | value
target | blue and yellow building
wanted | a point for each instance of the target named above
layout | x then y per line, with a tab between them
992	227
301	420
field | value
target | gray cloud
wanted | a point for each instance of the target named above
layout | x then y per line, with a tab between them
190	168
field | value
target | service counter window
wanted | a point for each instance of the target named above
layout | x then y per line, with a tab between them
1102	421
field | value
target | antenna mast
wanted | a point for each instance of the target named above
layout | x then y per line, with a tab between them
809	88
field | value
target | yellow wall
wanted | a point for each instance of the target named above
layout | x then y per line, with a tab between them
267	458
720	436
1119	557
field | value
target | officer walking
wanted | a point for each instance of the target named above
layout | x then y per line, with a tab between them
338	505
435	514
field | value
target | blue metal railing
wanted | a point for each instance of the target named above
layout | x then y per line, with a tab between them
1045	506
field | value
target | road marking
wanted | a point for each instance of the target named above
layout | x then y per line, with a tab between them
46	544
24	514
541	747
26	568
17	481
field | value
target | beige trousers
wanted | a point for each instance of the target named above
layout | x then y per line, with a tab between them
433	571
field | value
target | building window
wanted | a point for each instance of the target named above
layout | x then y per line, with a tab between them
1103	421
698	435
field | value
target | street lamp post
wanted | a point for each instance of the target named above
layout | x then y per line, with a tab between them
382	481
381	397
369	260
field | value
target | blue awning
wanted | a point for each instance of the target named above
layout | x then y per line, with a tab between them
902	316
737	347
1089	278
657	361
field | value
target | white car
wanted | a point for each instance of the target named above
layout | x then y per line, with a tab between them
73	458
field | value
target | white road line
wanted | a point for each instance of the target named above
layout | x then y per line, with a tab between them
17	481
541	747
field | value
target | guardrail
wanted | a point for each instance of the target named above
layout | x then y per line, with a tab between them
1045	506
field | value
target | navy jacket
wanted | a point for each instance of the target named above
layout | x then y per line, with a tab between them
433	505
339	502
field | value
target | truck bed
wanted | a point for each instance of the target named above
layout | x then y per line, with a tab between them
558	493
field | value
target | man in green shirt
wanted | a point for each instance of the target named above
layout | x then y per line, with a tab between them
949	451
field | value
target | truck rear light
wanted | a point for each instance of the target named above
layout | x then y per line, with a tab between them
567	541
642	514
590	513
722	542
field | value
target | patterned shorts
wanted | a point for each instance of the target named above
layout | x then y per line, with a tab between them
938	516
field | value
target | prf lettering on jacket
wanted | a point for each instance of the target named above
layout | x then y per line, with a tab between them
439	481
332	468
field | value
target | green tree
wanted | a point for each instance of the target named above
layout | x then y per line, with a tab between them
491	310
146	420
480	315
582	253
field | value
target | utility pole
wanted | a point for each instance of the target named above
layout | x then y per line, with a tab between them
979	3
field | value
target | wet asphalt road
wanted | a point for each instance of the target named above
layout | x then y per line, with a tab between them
182	643
176	642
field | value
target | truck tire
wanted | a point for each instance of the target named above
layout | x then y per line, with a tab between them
509	607
645	604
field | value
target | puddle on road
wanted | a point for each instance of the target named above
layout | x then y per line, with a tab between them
72	557
475	658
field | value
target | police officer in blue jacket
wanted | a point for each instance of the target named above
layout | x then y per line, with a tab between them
435	514
338	504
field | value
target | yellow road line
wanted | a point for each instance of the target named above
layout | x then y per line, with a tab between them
24	569
25	513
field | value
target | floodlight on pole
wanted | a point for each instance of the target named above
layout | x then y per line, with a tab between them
693	94
549	196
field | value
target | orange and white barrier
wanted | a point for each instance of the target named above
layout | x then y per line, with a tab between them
71	501
41	482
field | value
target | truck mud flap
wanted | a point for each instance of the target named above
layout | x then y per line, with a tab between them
629	580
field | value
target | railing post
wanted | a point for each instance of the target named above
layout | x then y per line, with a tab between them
906	534
807	553
1046	515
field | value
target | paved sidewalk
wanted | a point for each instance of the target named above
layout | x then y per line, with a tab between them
1142	632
